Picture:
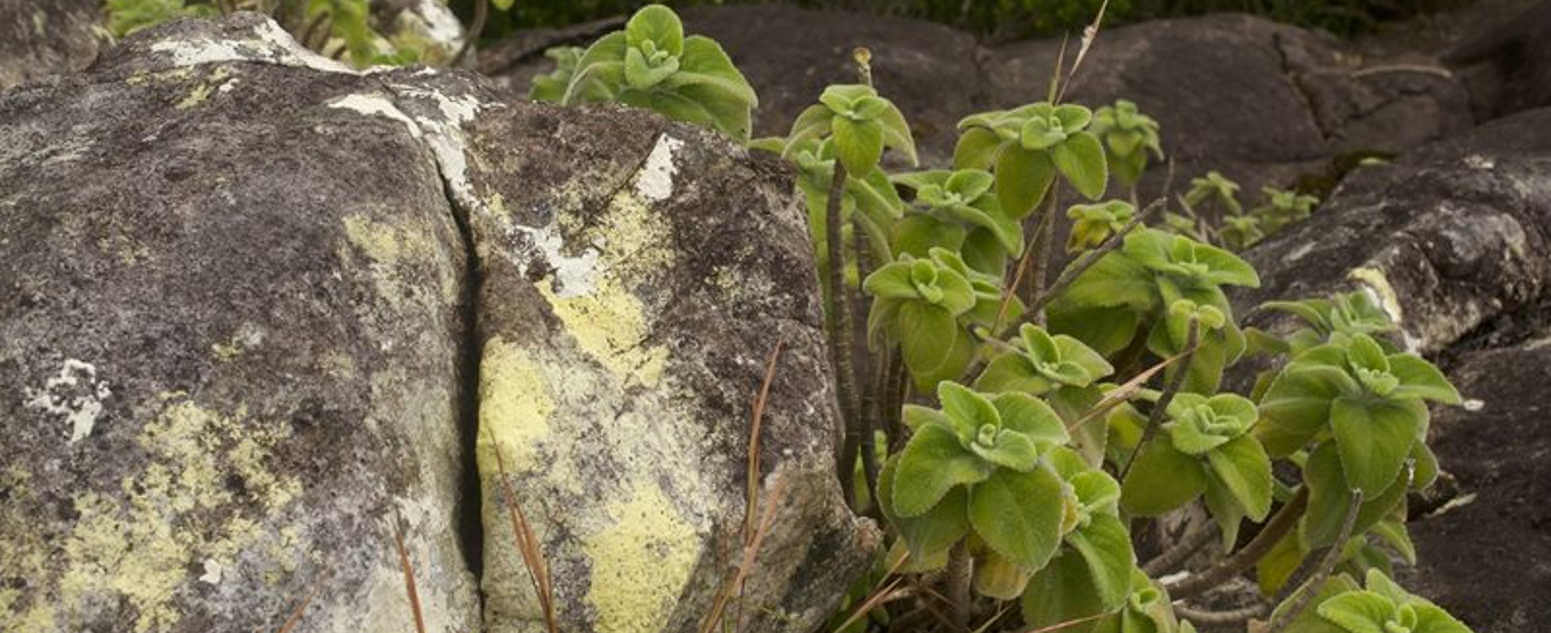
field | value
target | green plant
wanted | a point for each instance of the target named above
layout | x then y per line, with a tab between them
984	434
551	87
651	64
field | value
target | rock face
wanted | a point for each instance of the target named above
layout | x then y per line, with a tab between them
1487	560
42	38
1448	237
1262	102
1512	60
260	308
1451	239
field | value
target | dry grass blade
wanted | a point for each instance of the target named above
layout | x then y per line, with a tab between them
409	579
527	544
756	418
878	597
1088	35
1125	391
1069	623
296	614
747	564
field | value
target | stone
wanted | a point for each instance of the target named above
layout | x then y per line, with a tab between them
1497	447
1510	62
265	314
38	39
1261	102
1448	237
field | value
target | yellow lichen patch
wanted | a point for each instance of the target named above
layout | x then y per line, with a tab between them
640	563
1379	284
514	404
142	545
388	246
195	97
609	322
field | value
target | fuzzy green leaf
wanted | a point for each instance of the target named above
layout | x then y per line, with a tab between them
1018	515
1105	545
1161	479
1245	470
1022	178
932	463
858	144
1374	438
1081	159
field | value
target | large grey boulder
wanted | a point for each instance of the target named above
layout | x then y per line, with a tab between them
38	39
1264	103
1448	238
260	308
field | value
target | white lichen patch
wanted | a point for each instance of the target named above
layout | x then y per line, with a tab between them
75	393
654	183
641	562
1477	161
1473	404
442	25
376	104
572	274
272	44
1298	253
445	137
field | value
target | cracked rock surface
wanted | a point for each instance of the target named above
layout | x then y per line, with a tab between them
259	309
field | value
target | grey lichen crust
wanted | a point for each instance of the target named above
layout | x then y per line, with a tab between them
260	307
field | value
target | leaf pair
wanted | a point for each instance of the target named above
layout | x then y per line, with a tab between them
1340	606
1369	402
861	124
1043	363
1128	135
651	64
975	465
959	212
1026	148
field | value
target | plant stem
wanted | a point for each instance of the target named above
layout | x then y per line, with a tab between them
481	13
1187	546
1155	417
837	321
1279	525
1220	618
1039	248
1306	591
959	573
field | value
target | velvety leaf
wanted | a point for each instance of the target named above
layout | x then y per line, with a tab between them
1161	479
1225	267
1018	515
1031	417
1114	280
1081	159
1393	533
937	530
918	233
858	144
1364	352
1106	546
1421	379
977	148
1358	611
927	335
891	281
1243	467
1309	621
658	24
968	410
1432	619
813	122
605	57
916	416
1374	438
1276	567
1329	497
896	133
1022	179
999	578
1225	511
1424	466
1013	450
932	463
1011	372
1106	329
1297	405
1062	592
1075	351
705	63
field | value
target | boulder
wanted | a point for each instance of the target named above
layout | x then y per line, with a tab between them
38	39
1497	446
266	315
1509	62
1264	103
1449	238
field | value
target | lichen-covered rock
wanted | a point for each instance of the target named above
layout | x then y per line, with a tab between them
1448	237
627	309
38	39
231	344
257	305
